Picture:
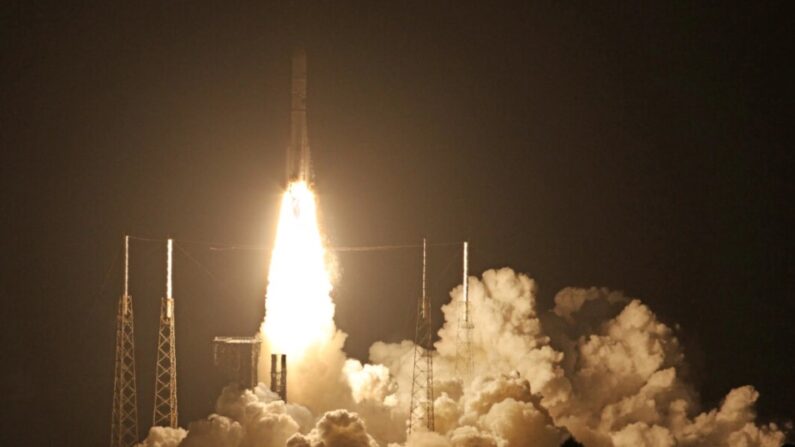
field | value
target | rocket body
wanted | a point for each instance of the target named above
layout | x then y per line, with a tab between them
299	167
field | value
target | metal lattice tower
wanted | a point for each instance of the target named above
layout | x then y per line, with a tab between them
464	363
165	411
124	418
421	410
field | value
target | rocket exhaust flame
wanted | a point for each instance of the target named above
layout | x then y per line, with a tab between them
298	309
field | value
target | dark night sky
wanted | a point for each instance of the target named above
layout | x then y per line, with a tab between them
639	147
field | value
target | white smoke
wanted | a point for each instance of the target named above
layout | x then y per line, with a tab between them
164	437
335	428
599	366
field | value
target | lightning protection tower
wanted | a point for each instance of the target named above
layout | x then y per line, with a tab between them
124	417
165	411
421	411
464	362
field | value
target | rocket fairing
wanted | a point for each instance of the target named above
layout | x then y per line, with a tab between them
299	167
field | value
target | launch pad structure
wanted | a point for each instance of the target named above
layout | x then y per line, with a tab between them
464	363
165	408
421	411
421	408
279	375
236	358
124	416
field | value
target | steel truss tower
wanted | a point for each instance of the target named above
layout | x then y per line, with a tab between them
165	411
464	362
124	418
421	410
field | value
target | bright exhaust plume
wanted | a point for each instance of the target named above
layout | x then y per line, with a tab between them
298	307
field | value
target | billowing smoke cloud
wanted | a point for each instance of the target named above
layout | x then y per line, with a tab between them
599	366
164	437
337	427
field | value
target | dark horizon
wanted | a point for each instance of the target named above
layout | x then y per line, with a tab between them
643	148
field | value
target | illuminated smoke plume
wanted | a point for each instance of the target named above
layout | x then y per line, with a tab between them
599	366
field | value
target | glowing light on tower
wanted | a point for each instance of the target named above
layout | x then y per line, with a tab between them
298	307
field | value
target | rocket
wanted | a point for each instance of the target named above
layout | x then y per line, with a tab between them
299	166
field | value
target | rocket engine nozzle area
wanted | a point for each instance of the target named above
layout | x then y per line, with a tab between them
299	167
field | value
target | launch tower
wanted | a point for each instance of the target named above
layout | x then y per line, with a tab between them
124	418
421	410
464	361
165	411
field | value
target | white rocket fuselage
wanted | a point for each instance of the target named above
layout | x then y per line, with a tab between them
299	167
